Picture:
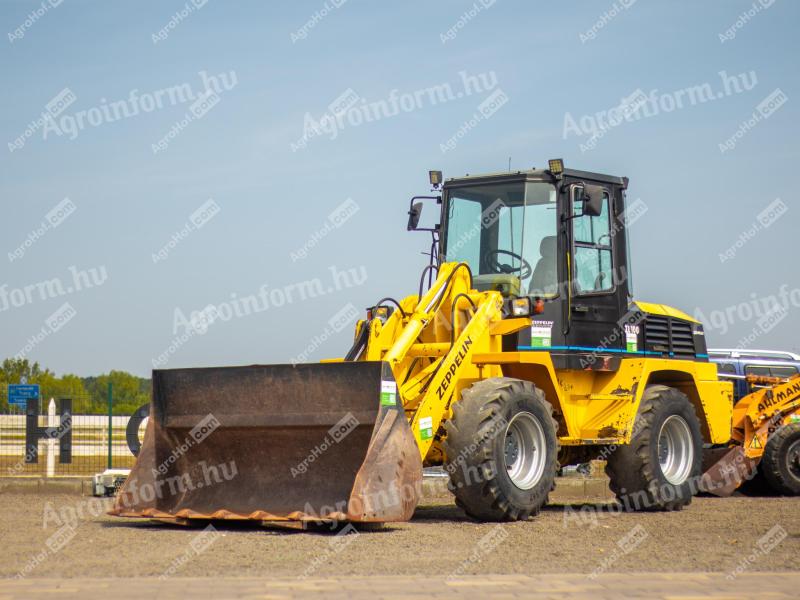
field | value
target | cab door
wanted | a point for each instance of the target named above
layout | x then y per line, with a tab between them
599	291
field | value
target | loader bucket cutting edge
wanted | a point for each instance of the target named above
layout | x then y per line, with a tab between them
275	443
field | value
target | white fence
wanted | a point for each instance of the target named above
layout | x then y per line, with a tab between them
89	435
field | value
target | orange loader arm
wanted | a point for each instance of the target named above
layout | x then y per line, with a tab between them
761	413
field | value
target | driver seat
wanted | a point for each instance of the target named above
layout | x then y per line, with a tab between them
544	281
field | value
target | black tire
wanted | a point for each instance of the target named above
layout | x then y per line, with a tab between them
637	478
780	464
476	450
132	429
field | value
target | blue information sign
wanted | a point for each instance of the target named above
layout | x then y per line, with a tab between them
20	394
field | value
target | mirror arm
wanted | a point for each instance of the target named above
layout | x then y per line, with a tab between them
565	187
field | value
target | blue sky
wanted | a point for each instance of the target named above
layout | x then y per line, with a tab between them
283	66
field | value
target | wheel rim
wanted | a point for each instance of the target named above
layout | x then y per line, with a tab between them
525	450
675	449
793	459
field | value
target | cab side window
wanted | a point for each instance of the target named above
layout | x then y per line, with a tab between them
592	249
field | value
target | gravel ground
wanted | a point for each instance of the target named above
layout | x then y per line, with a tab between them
711	535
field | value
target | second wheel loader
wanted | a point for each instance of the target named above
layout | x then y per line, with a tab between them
522	351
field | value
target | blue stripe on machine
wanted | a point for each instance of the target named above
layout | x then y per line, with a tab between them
589	349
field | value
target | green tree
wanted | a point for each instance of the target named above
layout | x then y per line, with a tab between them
14	369
128	392
89	394
67	386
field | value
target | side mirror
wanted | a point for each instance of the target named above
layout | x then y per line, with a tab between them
413	216
415	212
593	196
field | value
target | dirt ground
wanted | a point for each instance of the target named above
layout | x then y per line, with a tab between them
711	535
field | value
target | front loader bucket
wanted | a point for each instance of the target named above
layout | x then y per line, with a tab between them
277	442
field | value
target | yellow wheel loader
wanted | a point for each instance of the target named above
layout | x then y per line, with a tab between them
522	352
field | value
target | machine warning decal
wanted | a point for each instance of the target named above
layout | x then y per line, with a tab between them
541	334
756	443
426	428
632	338
388	393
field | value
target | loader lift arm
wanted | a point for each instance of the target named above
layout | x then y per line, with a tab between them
758	415
430	342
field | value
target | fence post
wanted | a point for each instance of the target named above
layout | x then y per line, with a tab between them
110	419
51	441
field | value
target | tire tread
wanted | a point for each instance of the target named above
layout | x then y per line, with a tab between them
771	462
473	417
631	469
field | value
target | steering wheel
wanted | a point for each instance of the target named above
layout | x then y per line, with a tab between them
524	269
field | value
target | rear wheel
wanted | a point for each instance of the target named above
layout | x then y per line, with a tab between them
660	468
501	450
780	464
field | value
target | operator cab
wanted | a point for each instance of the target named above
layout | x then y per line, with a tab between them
508	229
552	241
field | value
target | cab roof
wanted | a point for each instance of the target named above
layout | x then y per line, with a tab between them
533	175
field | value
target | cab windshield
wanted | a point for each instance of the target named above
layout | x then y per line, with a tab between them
507	229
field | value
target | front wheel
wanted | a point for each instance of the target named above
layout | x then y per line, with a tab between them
501	450
660	468
780	464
